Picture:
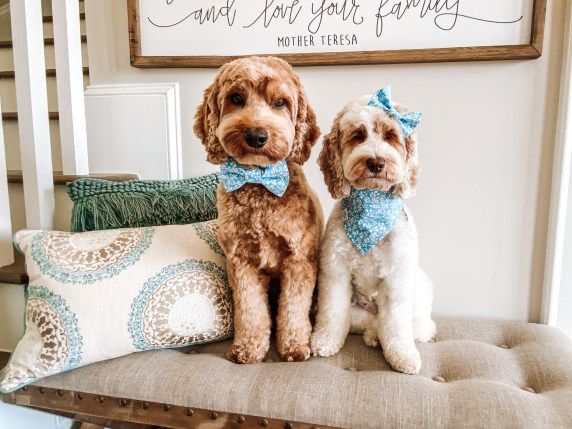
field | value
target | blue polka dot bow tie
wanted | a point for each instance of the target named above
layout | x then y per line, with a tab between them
370	215
408	121
274	177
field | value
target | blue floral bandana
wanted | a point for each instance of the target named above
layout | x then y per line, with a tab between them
274	177
371	215
407	121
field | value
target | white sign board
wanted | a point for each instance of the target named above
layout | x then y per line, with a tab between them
183	30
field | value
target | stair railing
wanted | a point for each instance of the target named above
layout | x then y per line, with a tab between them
31	96
6	251
71	103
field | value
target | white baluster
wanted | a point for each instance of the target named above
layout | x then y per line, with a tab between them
6	250
73	134
33	122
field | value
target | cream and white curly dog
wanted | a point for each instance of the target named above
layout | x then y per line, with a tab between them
383	294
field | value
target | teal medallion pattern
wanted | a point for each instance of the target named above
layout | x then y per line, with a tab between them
60	344
186	303
88	257
208	232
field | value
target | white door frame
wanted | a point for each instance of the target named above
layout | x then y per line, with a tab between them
559	203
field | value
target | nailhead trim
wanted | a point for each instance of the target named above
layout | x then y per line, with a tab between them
124	402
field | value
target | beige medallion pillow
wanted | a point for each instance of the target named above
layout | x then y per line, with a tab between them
103	294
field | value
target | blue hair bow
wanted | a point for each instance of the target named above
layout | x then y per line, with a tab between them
408	121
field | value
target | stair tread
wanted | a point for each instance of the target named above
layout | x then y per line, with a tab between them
14	274
13	116
47	41
50	18
15	176
9	74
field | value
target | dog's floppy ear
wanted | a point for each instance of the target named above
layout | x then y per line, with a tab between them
307	130
330	162
407	188
207	118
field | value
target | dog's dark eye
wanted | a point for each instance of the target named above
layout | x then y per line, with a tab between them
280	103
390	135
237	99
359	136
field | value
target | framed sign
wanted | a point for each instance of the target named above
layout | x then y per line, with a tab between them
207	33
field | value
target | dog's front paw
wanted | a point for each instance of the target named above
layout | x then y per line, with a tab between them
370	337
247	352
424	330
324	345
403	357
295	352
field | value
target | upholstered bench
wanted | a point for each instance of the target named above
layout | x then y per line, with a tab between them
475	374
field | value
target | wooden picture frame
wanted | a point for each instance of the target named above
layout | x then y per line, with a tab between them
531	50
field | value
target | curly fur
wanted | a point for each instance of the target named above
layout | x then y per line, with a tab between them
263	236
389	275
352	117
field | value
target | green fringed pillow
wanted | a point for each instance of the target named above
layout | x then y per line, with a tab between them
101	204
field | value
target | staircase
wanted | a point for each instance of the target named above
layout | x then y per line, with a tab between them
14	217
8	90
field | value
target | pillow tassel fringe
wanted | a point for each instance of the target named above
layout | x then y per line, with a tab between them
107	207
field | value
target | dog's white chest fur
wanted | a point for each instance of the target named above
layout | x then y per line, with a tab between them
367	270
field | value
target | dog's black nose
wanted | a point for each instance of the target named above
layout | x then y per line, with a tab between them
375	165
255	137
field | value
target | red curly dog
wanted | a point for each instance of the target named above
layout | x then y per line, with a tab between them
265	236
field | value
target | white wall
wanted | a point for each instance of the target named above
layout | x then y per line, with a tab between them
486	146
5	32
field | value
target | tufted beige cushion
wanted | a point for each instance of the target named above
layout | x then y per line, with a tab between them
475	374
